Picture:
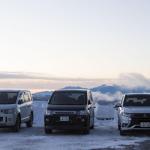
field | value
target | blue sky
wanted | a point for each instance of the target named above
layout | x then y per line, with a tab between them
75	38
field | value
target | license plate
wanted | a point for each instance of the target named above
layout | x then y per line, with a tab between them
145	124
64	118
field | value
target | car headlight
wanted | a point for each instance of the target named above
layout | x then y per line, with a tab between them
126	118
126	115
8	111
49	112
83	112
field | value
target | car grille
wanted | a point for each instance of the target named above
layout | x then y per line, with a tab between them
141	115
138	118
73	120
64	112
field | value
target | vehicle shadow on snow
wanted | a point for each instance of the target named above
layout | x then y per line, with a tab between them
139	133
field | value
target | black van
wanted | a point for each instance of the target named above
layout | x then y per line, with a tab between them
70	110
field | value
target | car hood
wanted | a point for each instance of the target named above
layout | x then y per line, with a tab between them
137	109
7	106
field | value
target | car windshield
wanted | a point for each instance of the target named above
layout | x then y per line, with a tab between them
8	97
68	98
137	100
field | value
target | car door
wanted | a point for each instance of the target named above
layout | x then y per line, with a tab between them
27	105
22	107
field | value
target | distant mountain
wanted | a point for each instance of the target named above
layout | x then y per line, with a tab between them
112	89
104	89
73	87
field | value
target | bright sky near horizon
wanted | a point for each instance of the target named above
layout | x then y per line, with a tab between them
75	38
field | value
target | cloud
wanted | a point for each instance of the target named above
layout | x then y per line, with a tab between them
29	80
39	76
100	97
133	80
37	81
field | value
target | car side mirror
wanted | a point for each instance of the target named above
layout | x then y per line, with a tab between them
89	102
20	101
117	106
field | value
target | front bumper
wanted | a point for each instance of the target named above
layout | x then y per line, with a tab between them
75	122
7	120
135	124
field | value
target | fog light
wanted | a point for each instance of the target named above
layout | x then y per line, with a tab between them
47	119
82	120
124	125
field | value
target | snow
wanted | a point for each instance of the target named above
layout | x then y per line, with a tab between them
104	111
39	108
105	135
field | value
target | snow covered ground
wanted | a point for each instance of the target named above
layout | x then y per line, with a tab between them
105	135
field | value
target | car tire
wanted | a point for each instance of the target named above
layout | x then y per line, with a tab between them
92	127
87	130
29	124
48	131
123	133
17	124
119	126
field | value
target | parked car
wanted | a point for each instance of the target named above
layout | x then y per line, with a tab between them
134	113
15	108
70	110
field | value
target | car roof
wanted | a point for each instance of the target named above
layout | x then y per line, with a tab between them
14	91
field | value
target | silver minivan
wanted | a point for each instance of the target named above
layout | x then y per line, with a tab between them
134	113
15	108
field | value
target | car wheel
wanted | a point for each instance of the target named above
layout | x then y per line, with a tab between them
30	122
92	127
87	130
48	131
119	126
17	125
123	133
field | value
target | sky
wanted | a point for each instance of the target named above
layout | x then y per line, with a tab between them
96	39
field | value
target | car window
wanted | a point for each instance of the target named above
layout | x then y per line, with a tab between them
91	98
21	97
68	98
29	95
8	97
137	100
26	97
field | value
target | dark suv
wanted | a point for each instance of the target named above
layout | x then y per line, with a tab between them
70	110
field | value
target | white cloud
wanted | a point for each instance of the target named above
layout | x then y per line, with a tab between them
133	80
28	80
98	96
